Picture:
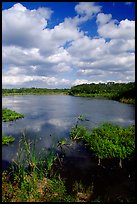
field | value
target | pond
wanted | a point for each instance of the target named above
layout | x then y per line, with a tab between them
48	118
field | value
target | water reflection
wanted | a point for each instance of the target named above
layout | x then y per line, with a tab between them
49	118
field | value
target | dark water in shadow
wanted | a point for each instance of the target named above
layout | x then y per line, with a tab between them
110	182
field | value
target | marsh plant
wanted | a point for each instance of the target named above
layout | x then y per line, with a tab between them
7	139
26	170
10	115
31	178
81	117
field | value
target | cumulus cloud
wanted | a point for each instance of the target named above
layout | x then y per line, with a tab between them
63	56
21	79
109	28
103	18
87	8
81	81
21	26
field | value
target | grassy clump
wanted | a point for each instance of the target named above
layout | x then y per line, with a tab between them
34	190
7	139
107	141
9	115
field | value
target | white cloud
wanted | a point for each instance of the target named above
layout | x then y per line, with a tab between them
21	79
21	26
117	46
103	18
60	56
87	8
20	56
80	81
108	28
90	72
86	48
35	55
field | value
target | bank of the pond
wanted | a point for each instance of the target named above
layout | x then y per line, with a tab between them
107	96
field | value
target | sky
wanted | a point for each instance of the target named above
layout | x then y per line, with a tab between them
63	44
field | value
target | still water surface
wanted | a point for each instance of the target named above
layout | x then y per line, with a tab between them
49	118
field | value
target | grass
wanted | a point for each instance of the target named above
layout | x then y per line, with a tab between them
10	115
7	139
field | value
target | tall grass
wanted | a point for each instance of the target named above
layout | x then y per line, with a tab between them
31	178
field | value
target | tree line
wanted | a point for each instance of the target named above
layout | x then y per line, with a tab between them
33	90
124	92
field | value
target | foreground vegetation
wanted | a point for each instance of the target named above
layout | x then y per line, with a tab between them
10	115
29	178
116	91
33	178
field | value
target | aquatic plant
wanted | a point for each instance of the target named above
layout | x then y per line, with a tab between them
7	139
80	118
10	115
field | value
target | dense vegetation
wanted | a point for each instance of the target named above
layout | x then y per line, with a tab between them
124	92
33	90
10	115
107	141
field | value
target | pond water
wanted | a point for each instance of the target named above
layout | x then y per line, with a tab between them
48	118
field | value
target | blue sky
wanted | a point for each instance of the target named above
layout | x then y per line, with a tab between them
62	44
